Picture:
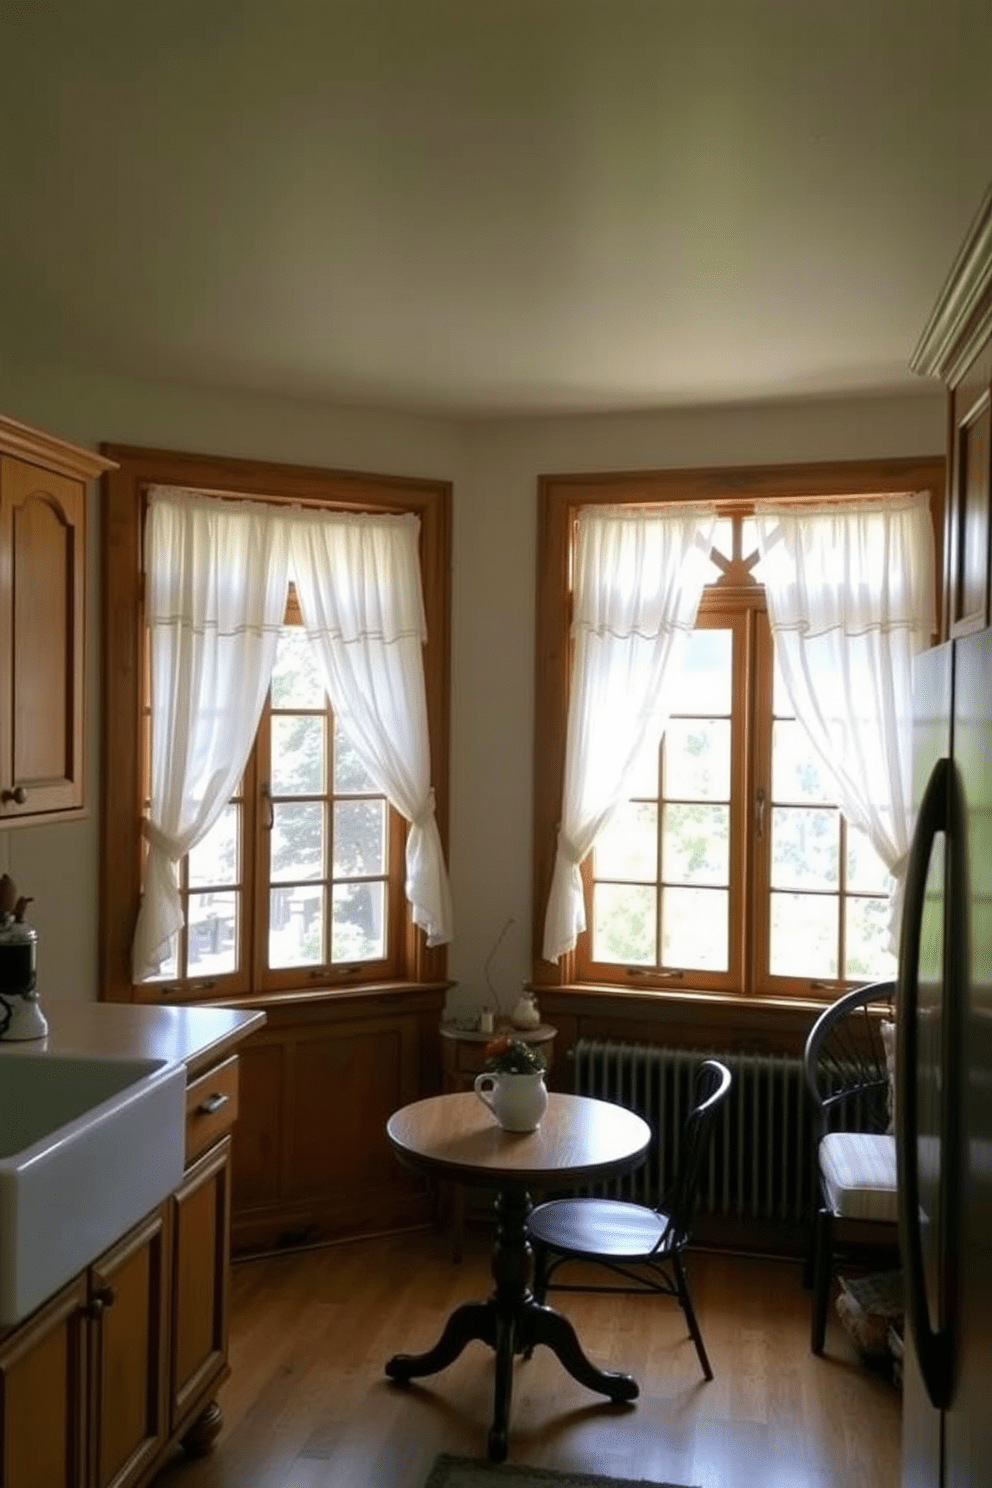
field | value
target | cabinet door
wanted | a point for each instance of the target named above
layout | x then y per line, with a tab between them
969	515
42	1389
201	1231
128	1335
42	607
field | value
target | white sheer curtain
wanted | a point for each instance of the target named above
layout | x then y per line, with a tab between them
850	590
638	580
216	574
358	583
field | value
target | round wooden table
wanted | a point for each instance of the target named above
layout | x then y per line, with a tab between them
457	1137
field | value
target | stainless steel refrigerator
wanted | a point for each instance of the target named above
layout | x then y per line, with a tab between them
944	1076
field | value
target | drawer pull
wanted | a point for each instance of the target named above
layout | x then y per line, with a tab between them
212	1103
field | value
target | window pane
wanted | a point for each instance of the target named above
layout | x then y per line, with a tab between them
350	775
359	838
359	922
296	679
296	925
214	860
705	686
297	756
628	848
212	930
297	842
797	774
804	848
644	779
623	924
749	538
803	935
697	759
865	931
865	869
694	928
696	845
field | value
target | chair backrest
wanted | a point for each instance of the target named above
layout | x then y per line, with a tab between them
845	1067
712	1082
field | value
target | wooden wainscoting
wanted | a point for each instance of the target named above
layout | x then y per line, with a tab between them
318	1082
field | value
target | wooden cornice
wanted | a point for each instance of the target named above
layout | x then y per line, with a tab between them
38	448
962	317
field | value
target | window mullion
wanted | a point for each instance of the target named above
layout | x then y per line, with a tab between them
759	819
660	859
842	898
260	814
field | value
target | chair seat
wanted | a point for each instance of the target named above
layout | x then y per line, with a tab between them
859	1175
598	1228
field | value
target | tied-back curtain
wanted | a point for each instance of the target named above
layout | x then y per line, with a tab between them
216	575
638	580
358	583
850	591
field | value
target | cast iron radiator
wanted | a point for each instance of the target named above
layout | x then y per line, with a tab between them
759	1164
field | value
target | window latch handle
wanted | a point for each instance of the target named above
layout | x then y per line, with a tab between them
759	811
267	797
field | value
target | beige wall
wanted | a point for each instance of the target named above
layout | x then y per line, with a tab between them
493	467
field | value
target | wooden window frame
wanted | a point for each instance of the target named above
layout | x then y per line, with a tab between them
123	509
561	499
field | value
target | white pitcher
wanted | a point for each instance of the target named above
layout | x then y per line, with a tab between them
517	1101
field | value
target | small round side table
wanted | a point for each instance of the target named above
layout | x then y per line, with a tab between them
461	1060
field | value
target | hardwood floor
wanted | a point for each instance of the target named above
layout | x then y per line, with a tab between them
308	1406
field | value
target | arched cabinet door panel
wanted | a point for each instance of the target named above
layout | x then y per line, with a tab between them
42	623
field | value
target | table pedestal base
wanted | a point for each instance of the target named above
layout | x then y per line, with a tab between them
512	1323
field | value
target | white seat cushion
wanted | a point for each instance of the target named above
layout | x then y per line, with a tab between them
859	1174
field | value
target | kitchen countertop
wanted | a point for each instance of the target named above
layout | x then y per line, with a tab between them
198	1036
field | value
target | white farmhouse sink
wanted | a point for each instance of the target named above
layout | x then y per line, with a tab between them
88	1146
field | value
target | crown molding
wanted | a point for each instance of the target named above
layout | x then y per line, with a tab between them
962	317
39	448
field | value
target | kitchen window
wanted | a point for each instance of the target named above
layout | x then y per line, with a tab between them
729	867
299	884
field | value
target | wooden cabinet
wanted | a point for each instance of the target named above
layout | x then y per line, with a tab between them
83	1385
43	1393
201	1247
956	346
98	1384
127	1317
318	1084
42	623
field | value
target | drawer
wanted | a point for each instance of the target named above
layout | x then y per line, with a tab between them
211	1107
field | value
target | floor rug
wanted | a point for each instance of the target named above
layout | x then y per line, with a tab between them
470	1472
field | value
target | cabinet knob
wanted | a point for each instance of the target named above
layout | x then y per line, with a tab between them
18	795
102	1298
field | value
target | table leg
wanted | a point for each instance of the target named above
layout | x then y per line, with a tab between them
471	1320
545	1325
512	1323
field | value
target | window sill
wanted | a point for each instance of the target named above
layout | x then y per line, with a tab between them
297	997
679	1018
684	996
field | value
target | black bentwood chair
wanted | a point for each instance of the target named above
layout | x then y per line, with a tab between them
849	1077
642	1246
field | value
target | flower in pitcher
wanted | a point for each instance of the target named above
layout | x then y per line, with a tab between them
510	1056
